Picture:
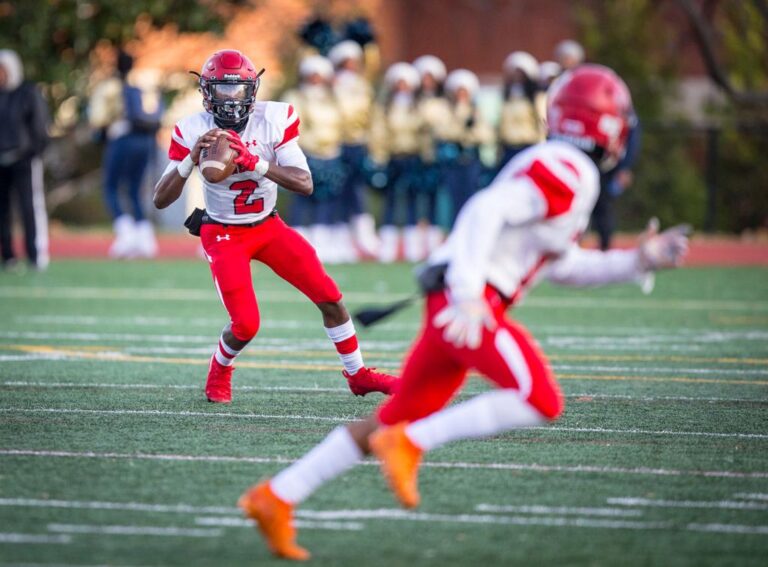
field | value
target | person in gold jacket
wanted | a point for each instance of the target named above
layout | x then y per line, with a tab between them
459	138
522	112
354	96
396	140
320	139
434	109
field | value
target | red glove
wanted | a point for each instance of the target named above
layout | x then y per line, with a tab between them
245	159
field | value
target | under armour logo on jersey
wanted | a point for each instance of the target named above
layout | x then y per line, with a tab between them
220	238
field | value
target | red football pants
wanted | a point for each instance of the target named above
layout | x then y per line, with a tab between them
230	249
435	369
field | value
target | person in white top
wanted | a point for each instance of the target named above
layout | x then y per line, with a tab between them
241	223
524	226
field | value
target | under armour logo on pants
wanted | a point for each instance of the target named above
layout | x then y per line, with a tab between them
220	238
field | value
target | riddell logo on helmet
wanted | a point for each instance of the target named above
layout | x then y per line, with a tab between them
231	75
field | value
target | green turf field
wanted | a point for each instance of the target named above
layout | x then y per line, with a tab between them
109	453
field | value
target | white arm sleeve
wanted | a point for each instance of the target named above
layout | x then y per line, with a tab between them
290	155
579	267
477	230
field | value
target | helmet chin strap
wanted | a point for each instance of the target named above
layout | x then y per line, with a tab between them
238	127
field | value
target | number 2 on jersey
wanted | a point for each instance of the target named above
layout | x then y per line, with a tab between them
244	204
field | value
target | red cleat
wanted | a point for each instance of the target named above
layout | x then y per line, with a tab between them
274	518
218	387
367	380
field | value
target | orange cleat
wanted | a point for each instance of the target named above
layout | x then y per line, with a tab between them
275	520
218	387
400	459
367	380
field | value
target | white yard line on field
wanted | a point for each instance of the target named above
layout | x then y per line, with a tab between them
719	504
162	531
557	510
289	296
389	326
728	529
168	413
343	419
120	506
751	495
583	396
10	537
578	469
303	524
396	514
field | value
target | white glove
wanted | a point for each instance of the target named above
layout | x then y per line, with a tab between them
662	250
464	322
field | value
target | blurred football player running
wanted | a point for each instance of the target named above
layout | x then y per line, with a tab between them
241	222
522	227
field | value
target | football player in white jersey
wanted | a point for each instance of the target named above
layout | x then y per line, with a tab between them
525	225
241	223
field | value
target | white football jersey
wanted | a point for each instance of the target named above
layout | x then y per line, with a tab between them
272	133
530	215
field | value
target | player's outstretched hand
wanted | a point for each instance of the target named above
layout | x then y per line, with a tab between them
663	250
464	322
245	159
205	141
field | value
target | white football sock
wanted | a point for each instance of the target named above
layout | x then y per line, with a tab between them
336	454
482	416
345	341
225	354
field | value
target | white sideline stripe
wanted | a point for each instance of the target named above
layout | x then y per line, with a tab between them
751	495
279	296
10	537
394	514
289	343
587	469
169	413
727	528
720	504
653	432
121	506
161	531
109	385
304	524
560	510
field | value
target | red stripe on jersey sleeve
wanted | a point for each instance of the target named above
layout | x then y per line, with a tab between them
177	152
291	133
570	166
558	194
290	111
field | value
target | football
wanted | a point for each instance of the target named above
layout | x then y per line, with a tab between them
217	162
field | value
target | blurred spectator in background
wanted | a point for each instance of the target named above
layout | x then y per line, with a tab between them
321	138
548	72
127	115
612	184
522	113
23	136
460	138
569	54
434	109
354	95
396	138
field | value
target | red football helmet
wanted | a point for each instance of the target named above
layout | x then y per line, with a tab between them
228	82
591	108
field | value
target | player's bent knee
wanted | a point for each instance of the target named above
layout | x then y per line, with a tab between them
245	330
